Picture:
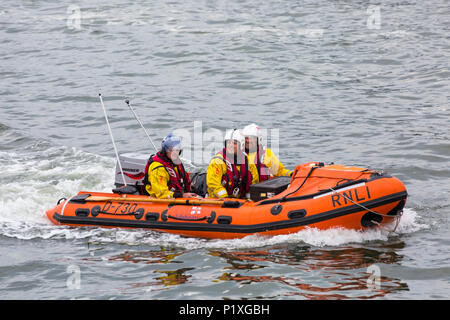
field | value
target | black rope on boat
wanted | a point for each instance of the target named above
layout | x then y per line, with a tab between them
306	178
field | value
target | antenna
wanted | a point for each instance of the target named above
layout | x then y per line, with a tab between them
112	139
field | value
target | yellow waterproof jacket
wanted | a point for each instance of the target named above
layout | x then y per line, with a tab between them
271	161
216	170
159	179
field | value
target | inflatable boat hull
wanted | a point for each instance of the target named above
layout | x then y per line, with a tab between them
321	197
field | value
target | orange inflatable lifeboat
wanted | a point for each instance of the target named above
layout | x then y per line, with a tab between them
316	196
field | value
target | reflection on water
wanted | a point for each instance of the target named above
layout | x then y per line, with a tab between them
161	282
307	257
175	277
161	255
347	273
297	269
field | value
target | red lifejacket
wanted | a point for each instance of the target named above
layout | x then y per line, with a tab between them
235	178
263	170
179	179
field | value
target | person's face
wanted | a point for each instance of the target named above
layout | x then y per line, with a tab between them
174	155
232	146
250	144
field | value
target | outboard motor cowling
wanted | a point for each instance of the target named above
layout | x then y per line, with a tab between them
133	166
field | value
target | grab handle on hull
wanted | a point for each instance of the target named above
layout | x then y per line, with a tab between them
296	214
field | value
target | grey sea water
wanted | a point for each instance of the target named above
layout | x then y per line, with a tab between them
349	82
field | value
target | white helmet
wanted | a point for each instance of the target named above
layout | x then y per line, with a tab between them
253	130
233	134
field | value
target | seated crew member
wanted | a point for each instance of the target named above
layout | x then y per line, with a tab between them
266	162
229	173
165	176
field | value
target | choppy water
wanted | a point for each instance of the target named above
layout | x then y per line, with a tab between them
340	83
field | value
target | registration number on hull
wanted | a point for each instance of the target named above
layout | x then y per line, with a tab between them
119	208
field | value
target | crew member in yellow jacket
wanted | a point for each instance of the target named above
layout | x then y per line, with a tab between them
266	162
229	173
165	176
